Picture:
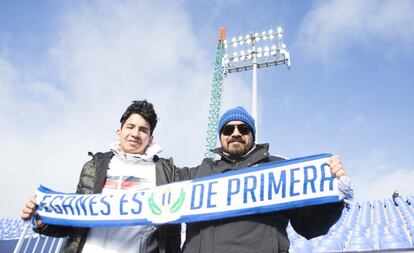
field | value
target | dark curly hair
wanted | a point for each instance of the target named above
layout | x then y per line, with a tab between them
143	108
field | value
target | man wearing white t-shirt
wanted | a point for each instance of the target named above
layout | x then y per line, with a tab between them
132	164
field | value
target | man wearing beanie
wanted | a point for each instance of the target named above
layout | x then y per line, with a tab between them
264	233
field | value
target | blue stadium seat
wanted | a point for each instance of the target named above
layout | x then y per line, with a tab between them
377	232
366	245
411	232
341	234
330	244
409	218
359	240
410	200
398	231
302	245
316	242
359	232
376	242
394	241
395	245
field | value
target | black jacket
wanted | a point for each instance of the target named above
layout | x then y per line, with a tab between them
91	181
261	233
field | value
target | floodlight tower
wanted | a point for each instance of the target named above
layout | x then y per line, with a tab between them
252	57
216	90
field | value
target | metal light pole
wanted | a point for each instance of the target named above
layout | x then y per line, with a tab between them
254	83
252	57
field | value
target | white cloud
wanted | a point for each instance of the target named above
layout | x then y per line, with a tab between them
7	78
331	28
107	54
381	186
378	174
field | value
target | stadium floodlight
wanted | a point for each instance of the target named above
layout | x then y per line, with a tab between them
252	57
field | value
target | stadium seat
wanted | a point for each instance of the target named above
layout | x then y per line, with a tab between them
376	242
359	232
398	231
410	200
377	232
331	244
316	242
395	245
394	241
410	222
302	245
366	245
360	240
341	234
412	232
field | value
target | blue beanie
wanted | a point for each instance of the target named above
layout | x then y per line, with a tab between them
237	114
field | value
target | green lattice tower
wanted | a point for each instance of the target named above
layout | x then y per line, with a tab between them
215	100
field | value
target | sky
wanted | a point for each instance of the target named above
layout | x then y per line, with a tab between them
68	70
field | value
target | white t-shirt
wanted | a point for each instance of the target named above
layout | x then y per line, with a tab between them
126	173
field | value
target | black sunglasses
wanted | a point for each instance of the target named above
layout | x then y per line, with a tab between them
229	129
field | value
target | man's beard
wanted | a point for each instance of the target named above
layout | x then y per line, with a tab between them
237	147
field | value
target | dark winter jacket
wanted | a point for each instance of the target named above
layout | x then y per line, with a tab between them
91	181
261	233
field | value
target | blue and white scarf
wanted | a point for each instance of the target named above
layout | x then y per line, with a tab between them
265	188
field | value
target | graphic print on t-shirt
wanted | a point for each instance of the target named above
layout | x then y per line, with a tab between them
126	182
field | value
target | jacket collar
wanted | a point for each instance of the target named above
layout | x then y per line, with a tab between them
150	152
258	153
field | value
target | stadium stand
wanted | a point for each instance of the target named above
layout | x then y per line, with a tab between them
368	226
